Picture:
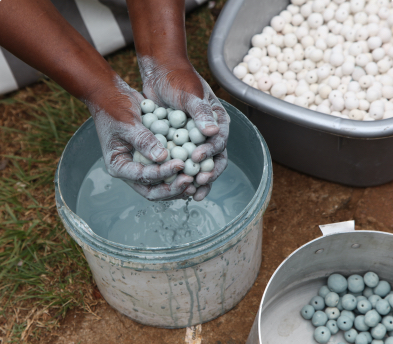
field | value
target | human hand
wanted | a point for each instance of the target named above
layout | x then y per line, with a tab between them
117	116
180	87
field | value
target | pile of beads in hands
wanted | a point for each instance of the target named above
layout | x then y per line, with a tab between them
177	133
359	306
331	56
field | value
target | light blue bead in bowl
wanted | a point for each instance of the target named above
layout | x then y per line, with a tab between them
331	299
350	336
367	292
374	299
349	302
332	326
349	314
318	303
323	291
361	339
364	306
382	307
337	283
388	322
307	312
382	289
378	332
372	318
332	313
368	336
355	284
322	334
389	340
344	323
371	279
319	319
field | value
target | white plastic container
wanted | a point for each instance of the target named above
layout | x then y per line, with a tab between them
187	284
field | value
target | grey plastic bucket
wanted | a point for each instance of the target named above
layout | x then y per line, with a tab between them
340	250
184	285
341	150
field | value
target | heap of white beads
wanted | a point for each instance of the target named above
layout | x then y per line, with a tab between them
334	57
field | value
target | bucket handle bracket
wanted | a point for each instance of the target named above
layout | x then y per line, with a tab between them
339	227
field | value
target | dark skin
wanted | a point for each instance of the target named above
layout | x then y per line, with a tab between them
36	32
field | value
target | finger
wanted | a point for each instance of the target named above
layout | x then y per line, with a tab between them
216	144
202	192
144	141
189	191
164	191
141	174
220	164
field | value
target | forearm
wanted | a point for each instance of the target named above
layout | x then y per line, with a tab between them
34	31
159	29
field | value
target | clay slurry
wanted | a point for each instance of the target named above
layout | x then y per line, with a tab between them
116	212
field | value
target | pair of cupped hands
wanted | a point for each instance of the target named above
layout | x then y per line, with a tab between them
117	116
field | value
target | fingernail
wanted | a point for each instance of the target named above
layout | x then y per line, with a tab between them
157	151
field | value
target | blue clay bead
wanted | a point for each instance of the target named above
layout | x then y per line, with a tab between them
382	307
349	302
332	312
322	334
348	314
191	168
190	124
378	332
332	326
207	165
355	284
147	106
196	136
180	137
159	127
359	323
374	299
382	289
350	336
389	340
166	121
331	299
371	279
388	322
307	312
318	303
189	147
179	153
372	318
323	291
160	112
368	336
344	323
364	306
337	283
170	134
177	119
376	341
367	292
361	339
319	319
148	119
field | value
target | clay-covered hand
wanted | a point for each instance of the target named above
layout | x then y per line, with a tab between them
180	87
117	116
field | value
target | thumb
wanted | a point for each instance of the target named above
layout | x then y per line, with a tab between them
201	111
144	141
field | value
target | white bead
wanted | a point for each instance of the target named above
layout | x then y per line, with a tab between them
196	136
387	92
357	5
341	15
177	119
278	41
336	113
259	41
336	60
306	10
316	55
307	41
290	99
301	75
256	52
318	6
279	90
376	112
293	9
275	77
348	68
308	65
296	66
264	83
378	54
282	67
297	19
355	114
388	114
269	30
290	40
342	88
207	165
328	14
181	136
361	18
361	60
288	28
371	68
374	42
383	66
338	104
191	168
324	91
313	107
244	64
349	94
286	15
323	109
301	101
373	18
315	20
386	80
254	64
179	153
310	96
289	75
147	106
301	89
248	79
311	77
247	58
354	86
385	34
373	93
277	23
291	86
334	82
364	105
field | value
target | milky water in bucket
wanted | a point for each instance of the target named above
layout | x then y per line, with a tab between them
116	212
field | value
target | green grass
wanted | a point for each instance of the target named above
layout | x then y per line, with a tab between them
42	274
